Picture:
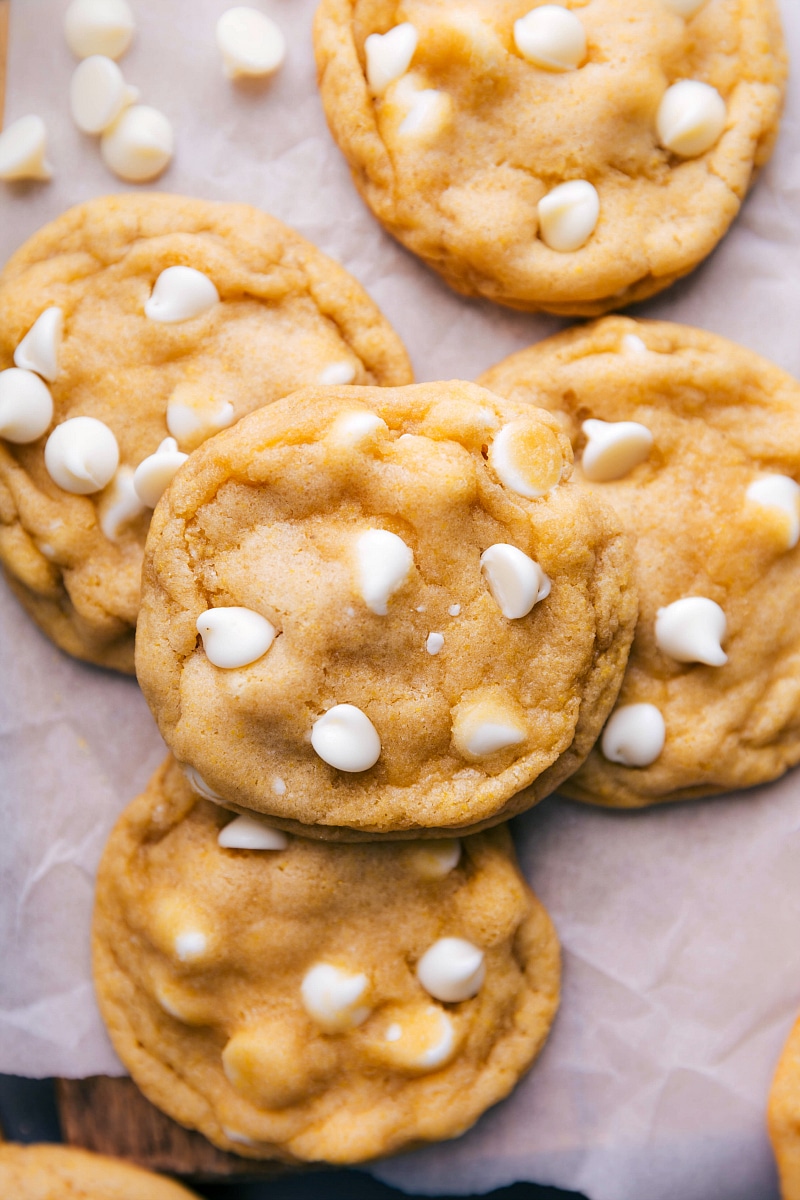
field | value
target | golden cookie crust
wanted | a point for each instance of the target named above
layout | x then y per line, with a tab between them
783	1116
229	1048
42	1172
287	311
266	516
721	417
466	200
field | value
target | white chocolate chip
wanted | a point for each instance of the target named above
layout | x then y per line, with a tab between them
26	406
568	215
394	1032
454	610
427	116
234	637
782	493
516	582
684	8
345	738
251	44
351	428
487	737
279	786
384	563
81	455
98	93
23	146
190	945
331	998
452	970
632	344
38	351
389	56
198	784
98	27
154	473
436	859
691	631
239	1139
339	373
440	1050
485	724
691	118
120	505
250	833
614	448
551	37
634	736
180	294
139	145
526	458
194	415
434	643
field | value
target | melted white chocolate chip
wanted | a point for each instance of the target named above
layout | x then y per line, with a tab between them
345	738
429	112
389	56
384	564
436	859
193	416
452	970
516	582
120	504
568	215
484	725
350	429
180	294
139	145
634	736
26	406
251	44
331	998
783	494
339	373
691	118
692	630
81	455
23	149
633	344
526	458
191	945
251	833
154	473
39	349
551	37
99	27
234	637
614	448
198	784
423	1038
98	93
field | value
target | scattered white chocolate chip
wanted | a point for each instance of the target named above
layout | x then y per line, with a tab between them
234	637
23	146
782	493
424	1039
427	116
38	350
98	27
98	93
486	724
632	344
251	44
384	563
389	56
190	945
691	117
568	215
394	1032
434	643
551	37
154	473
684	8
81	455
350	428
692	630
434	860
516	582
339	373
139	145
198	784
454	610
120	505
614	448
193	416
239	1139
26	406
279	786
250	833
452	970
634	736
180	294
526	458
331	998
345	738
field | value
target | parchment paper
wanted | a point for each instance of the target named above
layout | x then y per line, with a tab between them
679	926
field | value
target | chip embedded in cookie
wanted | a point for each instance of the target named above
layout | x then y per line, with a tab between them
301	1001
696	443
383	611
42	1172
574	157
132	329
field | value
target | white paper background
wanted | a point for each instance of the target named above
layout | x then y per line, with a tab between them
680	927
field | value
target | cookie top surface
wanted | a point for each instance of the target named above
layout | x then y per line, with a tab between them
783	1116
155	316
460	122
42	1172
713	505
311	1001
325	636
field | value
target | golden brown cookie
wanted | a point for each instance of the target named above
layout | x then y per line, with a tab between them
304	1001
783	1116
147	317
572	158
383	612
64	1173
696	443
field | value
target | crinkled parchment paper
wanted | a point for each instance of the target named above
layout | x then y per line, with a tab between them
679	926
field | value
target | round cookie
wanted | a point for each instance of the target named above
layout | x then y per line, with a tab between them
354	621
573	161
783	1116
155	316
696	443
303	1001
41	1172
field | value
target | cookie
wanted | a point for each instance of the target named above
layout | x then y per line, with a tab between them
783	1117
383	611
128	321
54	1172
301	1001
573	158
696	443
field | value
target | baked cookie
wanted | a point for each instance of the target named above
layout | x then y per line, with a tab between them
128	321
301	1001
696	443
573	157
783	1116
383	611
64	1173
